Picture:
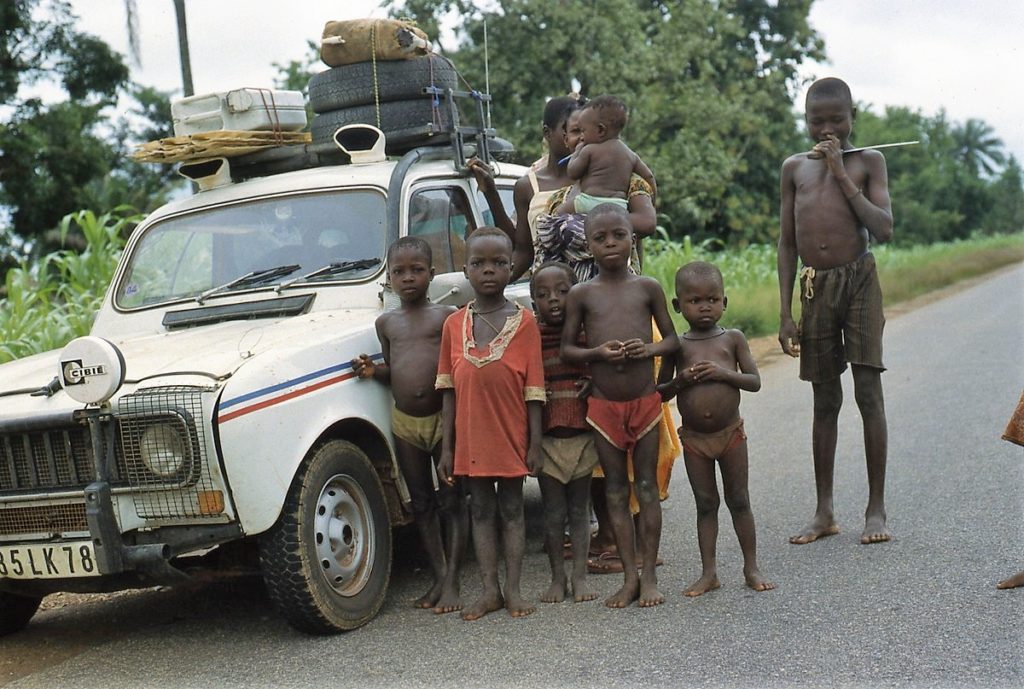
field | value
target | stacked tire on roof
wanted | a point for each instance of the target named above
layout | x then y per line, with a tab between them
379	70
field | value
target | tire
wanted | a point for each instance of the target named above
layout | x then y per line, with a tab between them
327	560
404	122
16	611
351	85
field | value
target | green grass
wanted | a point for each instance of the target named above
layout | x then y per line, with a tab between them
751	282
55	300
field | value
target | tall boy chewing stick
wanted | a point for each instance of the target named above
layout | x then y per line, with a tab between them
831	206
615	309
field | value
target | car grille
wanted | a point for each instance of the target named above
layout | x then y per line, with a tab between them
48	519
49	460
160	459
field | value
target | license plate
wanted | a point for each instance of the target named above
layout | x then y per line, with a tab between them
52	561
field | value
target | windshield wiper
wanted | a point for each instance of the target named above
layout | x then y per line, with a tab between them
256	277
330	270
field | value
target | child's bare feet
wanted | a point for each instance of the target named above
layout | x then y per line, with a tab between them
820	527
517	607
555	592
1013	582
429	599
875	530
488	602
624	596
582	592
756	581
450	601
649	594
707	582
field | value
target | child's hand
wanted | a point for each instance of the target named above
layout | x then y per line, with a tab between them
584	386
534	460
363	366
708	370
483	174
667	391
832	151
635	349
445	467
612	350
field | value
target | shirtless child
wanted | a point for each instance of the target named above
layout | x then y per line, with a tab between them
568	445
707	385
410	338
832	205
615	309
601	162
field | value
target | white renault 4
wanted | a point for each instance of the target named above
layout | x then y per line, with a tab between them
212	416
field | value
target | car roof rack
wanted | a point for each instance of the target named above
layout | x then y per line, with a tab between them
463	141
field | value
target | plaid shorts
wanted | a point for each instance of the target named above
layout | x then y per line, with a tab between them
841	319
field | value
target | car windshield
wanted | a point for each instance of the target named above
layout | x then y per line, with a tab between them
186	256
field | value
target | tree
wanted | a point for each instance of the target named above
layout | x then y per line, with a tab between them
977	147
711	107
59	157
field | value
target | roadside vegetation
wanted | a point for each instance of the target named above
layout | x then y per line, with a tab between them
55	299
752	285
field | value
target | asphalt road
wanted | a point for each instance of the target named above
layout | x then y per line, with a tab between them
921	611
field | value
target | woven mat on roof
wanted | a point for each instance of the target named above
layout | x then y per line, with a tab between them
221	143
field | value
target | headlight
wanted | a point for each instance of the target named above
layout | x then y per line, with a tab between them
164	451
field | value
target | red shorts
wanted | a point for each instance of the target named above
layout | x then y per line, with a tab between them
624	423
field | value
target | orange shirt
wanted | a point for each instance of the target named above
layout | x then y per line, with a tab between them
492	385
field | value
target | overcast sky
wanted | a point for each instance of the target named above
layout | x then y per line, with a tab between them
965	57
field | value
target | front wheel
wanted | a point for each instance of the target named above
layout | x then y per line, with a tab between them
16	611
327	560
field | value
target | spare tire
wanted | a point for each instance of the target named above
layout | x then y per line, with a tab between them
352	85
404	122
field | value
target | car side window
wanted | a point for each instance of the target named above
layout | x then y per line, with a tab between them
505	194
443	218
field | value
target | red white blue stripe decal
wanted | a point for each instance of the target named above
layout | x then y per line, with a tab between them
296	387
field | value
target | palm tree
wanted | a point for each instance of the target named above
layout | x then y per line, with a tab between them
978	148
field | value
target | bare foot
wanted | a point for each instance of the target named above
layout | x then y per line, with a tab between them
450	601
756	581
818	528
517	607
582	592
707	582
488	602
875	530
429	599
555	592
1013	582
624	596
649	594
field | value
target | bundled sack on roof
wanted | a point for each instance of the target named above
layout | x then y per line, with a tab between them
362	40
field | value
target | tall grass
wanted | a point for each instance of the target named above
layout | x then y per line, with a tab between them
752	286
55	300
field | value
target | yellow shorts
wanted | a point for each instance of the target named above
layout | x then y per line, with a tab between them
567	459
424	432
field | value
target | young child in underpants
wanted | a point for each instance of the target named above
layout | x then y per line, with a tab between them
712	366
410	339
616	310
568	445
